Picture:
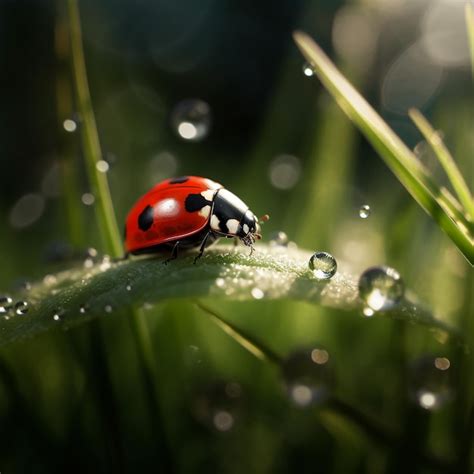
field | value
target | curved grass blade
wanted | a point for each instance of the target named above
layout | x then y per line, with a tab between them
469	12
446	160
223	272
393	151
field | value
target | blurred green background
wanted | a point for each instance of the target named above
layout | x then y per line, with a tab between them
273	136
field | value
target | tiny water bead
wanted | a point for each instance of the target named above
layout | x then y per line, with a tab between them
364	211
102	166
88	199
70	125
21	307
108	308
6	304
323	265
308	376
284	172
257	293
308	70
83	309
381	288
128	287
279	238
430	381
191	119
58	314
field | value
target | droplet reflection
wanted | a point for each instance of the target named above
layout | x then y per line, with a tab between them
381	288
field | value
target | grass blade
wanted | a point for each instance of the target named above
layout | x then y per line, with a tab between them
446	160
92	151
224	272
438	203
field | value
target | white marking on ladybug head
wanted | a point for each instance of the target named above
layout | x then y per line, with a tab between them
246	228
232	226
212	184
208	194
205	211
215	223
167	207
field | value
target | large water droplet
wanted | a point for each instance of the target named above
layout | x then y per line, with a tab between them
191	119
323	265
6	304
364	211
308	376
430	383
308	70
21	307
381	288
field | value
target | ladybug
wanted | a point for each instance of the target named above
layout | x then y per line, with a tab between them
187	212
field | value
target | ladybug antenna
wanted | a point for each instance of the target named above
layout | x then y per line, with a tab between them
264	218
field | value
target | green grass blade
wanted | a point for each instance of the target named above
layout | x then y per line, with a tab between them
446	160
390	147
469	11
92	150
224	272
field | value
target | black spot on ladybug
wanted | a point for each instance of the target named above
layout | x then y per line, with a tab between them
145	219
181	179
195	202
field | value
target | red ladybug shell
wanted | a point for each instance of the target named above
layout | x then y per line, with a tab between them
160	216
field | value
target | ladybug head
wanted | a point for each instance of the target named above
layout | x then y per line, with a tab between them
249	229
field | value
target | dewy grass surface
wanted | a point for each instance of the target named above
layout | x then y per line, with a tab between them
78	295
436	201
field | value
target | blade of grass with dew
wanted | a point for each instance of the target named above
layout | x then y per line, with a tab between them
469	13
395	153
446	160
104	207
224	272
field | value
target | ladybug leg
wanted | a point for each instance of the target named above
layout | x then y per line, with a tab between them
202	247
174	253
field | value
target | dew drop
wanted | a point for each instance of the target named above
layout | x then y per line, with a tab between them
308	70
6	304
257	293
220	282
364	211
284	171
49	280
368	312
381	288
88	199
430	381
21	307
70	125
308	376
57	315
102	166
83	309
279	238
108	308
323	265
191	119
128	287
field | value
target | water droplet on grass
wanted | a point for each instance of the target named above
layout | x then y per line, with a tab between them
364	211
257	293
6	304
88	199
102	166
191	119
83	309
308	376
21	307
381	288
70	125
308	70
323	265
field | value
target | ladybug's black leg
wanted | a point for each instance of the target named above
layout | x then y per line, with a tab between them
202	247
174	253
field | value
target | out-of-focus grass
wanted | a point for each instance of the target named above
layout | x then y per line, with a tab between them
436	201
